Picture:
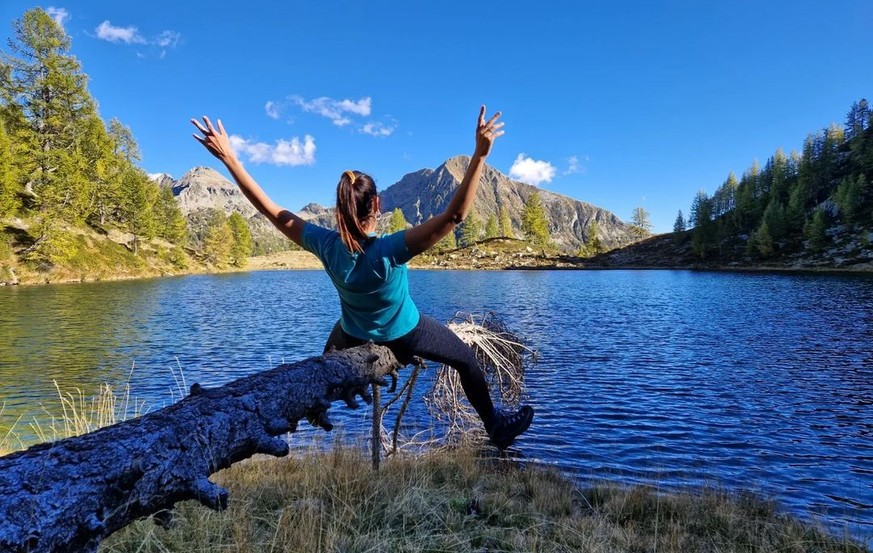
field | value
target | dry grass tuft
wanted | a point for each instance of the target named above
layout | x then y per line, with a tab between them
460	500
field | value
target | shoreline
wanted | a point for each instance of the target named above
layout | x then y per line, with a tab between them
304	261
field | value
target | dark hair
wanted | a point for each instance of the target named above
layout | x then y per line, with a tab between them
355	196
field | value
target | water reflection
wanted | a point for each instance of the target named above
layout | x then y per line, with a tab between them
753	381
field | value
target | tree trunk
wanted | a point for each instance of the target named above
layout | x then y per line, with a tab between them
69	495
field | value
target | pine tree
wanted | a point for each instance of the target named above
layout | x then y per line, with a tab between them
679	225
241	247
491	230
534	224
642	225
763	241
815	231
447	242
218	240
470	230
169	221
700	219
140	196
398	221
8	181
506	224
46	83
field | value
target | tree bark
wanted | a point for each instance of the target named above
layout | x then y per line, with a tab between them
69	495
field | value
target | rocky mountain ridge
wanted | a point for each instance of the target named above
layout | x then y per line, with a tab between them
419	195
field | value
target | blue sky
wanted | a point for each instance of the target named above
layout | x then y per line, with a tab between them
620	104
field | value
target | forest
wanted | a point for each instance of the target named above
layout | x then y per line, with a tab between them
797	203
65	174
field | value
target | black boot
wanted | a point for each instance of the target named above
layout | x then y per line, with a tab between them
507	426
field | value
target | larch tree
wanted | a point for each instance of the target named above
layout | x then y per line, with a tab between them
241	247
505	224
641	222
534	223
679	224
470	230
398	221
491	229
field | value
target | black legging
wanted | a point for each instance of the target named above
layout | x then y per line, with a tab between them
435	342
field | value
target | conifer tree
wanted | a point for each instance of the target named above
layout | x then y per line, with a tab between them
8	181
47	84
169	222
679	224
534	224
447	242
398	221
241	247
137	206
641	223
470	230
505	224
815	231
218	240
491	230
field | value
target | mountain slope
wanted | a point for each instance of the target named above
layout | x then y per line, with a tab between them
426	192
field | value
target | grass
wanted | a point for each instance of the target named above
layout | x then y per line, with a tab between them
456	501
460	499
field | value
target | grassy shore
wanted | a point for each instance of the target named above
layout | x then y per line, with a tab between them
460	500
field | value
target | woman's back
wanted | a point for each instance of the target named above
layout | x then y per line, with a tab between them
372	284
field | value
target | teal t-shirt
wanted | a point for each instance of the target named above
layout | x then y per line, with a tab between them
373	286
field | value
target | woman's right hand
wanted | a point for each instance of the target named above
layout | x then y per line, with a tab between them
487	132
215	141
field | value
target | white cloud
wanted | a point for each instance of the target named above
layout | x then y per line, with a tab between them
168	39
131	35
128	35
60	15
574	165
375	128
335	110
272	109
531	171
285	152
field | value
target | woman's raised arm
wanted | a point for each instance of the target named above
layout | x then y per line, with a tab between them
428	233
217	142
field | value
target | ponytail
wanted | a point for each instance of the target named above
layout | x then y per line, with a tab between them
355	195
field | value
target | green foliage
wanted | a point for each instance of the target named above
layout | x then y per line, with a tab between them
52	245
679	224
398	221
849	197
534	223
169	222
780	205
505	224
592	245
641	223
703	236
471	229
761	242
241	248
139	195
218	240
815	231
45	84
491	229
447	242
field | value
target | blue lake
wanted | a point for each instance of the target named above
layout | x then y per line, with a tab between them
749	381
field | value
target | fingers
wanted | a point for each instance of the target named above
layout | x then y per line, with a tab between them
200	127
482	115
221	127
209	124
494	118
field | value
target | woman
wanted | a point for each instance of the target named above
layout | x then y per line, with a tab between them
369	272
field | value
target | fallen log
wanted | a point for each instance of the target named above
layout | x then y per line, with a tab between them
69	495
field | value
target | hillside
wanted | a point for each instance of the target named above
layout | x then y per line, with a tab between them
426	192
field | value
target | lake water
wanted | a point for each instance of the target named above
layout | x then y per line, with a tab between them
750	381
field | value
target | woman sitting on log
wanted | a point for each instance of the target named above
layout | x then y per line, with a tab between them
369	271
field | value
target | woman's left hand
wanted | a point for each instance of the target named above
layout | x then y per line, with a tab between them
487	132
215	140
